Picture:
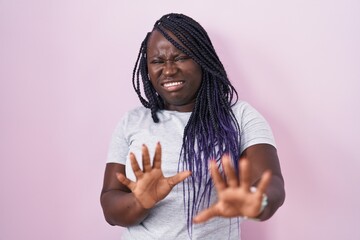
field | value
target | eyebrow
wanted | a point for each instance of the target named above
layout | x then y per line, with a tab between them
177	53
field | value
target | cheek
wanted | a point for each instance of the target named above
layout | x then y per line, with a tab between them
152	76
197	74
150	71
193	69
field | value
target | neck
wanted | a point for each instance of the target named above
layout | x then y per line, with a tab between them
180	108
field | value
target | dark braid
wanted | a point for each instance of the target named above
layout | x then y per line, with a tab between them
212	129
154	102
200	42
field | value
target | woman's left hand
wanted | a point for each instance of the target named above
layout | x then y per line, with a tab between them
235	199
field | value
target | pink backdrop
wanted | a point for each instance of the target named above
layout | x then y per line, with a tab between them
65	80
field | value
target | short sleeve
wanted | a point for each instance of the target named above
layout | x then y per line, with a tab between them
254	129
119	147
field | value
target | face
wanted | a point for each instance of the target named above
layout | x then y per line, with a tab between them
174	75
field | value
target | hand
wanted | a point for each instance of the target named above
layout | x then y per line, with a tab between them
151	186
234	196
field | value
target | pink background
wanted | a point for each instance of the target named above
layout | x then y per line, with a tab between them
65	80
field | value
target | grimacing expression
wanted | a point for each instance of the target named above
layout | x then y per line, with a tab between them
175	76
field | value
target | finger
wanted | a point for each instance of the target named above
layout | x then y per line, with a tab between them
244	173
231	178
205	215
145	158
135	166
216	177
157	156
124	180
178	178
264	181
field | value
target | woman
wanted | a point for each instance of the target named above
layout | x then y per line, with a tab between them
214	157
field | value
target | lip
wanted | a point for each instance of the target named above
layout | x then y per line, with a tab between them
173	85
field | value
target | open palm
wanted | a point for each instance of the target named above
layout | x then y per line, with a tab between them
151	186
235	198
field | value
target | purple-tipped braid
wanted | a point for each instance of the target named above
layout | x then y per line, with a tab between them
212	129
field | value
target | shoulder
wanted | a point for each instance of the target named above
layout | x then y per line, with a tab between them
240	105
140	110
243	109
136	113
254	128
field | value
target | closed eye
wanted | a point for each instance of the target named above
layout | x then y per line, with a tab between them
157	61
181	58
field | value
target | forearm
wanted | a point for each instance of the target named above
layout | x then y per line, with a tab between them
122	209
276	197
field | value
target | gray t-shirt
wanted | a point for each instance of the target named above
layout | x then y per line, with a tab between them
167	220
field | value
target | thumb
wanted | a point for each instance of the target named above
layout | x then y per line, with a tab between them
181	176
205	215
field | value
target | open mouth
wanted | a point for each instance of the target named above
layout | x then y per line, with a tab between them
173	85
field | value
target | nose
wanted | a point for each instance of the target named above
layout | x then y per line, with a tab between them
170	68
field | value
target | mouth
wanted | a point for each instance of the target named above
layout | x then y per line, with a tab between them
173	86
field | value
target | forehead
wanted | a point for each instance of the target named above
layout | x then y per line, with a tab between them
157	40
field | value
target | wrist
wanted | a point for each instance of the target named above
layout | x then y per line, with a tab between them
264	203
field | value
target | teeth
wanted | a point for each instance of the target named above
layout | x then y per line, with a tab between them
171	84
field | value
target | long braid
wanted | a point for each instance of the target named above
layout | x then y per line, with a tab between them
212	129
203	50
154	101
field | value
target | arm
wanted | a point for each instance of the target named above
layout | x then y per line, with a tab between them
259	166
263	157
119	204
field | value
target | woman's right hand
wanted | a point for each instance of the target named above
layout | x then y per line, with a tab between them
151	186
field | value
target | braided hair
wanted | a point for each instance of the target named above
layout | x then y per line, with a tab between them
212	129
